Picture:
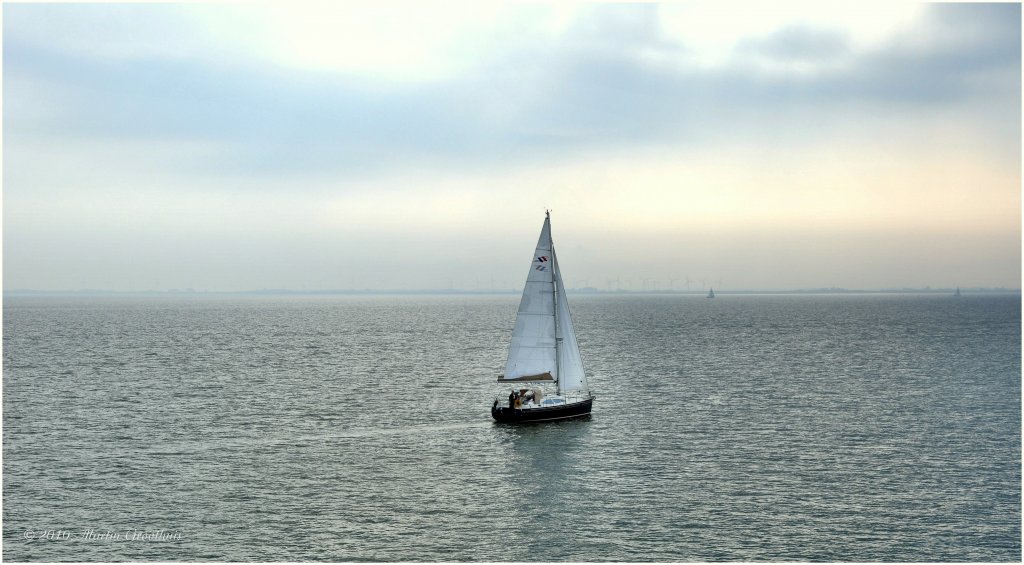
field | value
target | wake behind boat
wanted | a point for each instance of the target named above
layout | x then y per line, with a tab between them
543	350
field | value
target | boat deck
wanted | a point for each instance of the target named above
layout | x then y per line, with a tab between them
556	409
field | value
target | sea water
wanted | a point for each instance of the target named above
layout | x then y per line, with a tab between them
351	428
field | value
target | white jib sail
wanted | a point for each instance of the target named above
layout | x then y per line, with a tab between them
531	352
571	376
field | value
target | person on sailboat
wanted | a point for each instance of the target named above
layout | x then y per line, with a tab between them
512	400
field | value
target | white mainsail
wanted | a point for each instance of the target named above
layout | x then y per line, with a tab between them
543	345
531	353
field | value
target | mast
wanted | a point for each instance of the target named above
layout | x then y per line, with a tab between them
555	275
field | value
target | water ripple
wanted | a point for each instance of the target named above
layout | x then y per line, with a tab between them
812	428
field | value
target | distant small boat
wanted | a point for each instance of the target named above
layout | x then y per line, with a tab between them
543	349
711	294
957	293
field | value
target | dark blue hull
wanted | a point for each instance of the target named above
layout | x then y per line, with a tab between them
507	415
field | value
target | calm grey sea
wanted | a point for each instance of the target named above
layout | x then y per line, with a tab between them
838	428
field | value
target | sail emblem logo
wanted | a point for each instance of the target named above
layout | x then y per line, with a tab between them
542	259
541	267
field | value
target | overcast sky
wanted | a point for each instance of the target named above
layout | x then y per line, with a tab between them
400	145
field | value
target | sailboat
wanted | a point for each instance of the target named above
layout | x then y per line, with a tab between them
711	294
543	349
957	293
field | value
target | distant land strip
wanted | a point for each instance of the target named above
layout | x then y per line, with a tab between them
586	290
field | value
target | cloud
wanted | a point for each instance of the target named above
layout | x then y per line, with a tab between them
171	140
608	81
799	44
611	79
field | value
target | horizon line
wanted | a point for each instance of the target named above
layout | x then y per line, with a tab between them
450	291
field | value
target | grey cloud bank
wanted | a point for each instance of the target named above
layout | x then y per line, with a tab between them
589	89
143	152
